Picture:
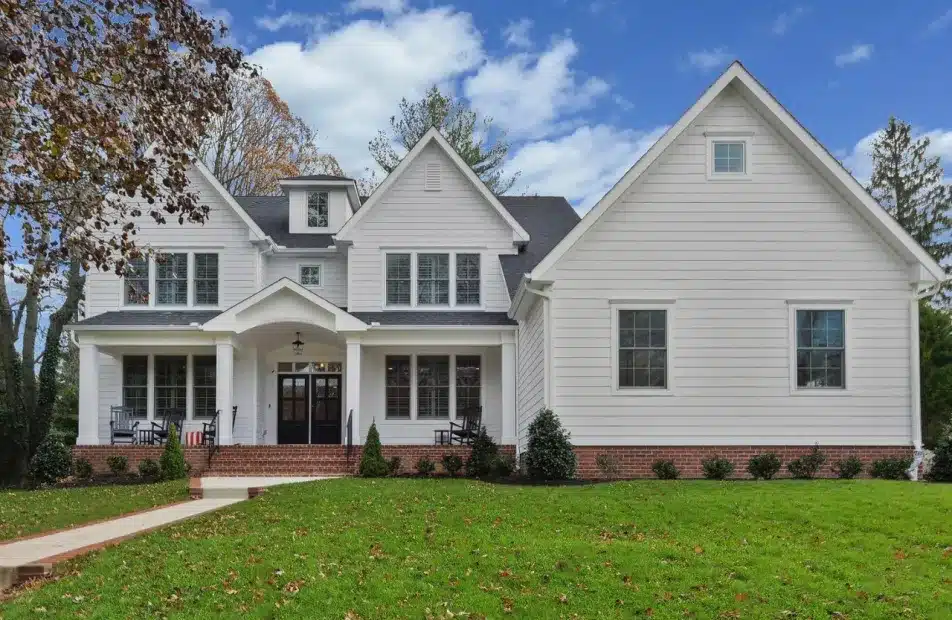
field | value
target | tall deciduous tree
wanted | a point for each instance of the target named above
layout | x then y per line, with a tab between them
935	368
86	86
481	144
259	141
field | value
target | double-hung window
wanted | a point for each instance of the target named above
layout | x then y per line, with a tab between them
433	279
171	280
433	386
137	282
205	279
170	380
820	348
467	279
203	382
468	385
399	279
317	209
398	386
642	348
135	384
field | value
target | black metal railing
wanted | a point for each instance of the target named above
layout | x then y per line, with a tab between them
350	434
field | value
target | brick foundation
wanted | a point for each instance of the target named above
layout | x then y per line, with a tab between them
196	456
636	461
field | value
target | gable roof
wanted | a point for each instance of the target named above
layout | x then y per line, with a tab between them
137	319
272	214
433	135
791	129
547	219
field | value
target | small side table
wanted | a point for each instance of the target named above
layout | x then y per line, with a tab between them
146	437
441	437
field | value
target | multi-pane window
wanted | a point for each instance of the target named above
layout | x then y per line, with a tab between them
433	386
317	209
821	349
642	349
467	279
433	279
135	384
468	381
170	374
310	275
203	380
137	282
206	279
729	158
398	279
171	280
398	386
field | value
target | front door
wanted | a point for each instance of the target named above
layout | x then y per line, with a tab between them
292	409
325	409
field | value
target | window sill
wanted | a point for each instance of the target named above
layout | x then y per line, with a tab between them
633	391
729	177
837	392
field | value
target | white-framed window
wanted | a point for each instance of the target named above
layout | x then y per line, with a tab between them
135	384
310	275
398	371
642	347
468	384
204	373
728	156
432	280
819	347
317	212
205	279
136	284
172	279
171	391
154	385
432	386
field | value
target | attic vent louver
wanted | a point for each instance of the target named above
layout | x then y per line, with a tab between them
432	179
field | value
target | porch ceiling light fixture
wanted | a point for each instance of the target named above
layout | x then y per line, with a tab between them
297	345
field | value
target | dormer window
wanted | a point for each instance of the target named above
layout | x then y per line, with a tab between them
317	210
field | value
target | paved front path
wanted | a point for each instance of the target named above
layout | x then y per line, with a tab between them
33	550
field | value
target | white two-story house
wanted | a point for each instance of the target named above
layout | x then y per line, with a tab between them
736	290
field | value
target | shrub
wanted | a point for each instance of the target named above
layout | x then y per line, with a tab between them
149	468
848	468
608	465
503	466
941	470
393	466
549	455
807	466
482	455
717	468
425	466
51	462
372	463
665	470
764	466
83	469
118	464
452	463
890	468
172	462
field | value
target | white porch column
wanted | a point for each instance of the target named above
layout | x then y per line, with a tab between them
508	371
353	391
224	388
88	395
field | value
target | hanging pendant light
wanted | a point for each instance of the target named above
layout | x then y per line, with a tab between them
297	345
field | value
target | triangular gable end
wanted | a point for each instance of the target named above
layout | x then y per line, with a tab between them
229	320
433	135
798	136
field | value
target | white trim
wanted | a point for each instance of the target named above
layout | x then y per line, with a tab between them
307	211
259	235
915	404
720	177
845	307
189	251
414	383
414	305
433	135
737	75
320	273
669	324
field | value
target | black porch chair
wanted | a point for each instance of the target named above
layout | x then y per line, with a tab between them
210	429
465	431
123	425
160	430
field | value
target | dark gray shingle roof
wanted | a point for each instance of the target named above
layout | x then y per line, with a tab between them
547	219
271	214
139	318
317	177
441	319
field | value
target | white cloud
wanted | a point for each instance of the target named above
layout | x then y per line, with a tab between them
706	60
528	94
859	53
859	160
583	165
940	23
517	33
347	82
290	19
787	19
388	7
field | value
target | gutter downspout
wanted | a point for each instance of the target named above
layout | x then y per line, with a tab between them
915	377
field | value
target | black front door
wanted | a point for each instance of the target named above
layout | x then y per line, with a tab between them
292	409
325	409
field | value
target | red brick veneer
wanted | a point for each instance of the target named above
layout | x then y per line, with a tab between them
196	456
636	461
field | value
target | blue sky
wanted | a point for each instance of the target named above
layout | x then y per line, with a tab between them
585	86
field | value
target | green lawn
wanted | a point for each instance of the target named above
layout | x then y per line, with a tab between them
28	512
403	548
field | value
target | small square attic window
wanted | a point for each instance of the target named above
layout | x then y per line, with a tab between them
432	177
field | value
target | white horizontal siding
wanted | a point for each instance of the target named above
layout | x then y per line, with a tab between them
456	217
223	232
731	255
333	274
530	379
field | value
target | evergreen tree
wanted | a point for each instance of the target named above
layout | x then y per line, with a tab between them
935	369
372	463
